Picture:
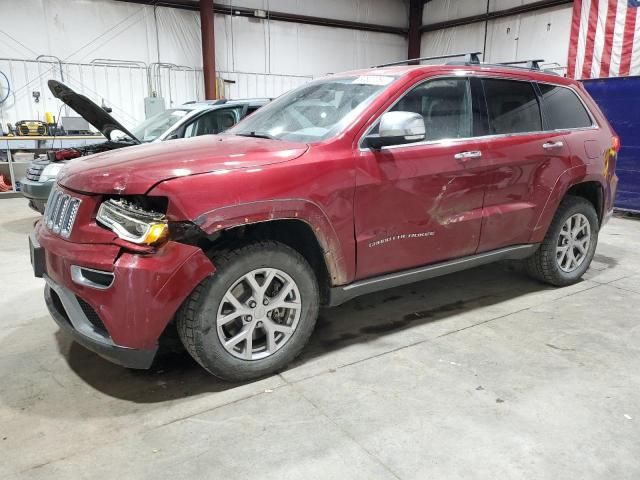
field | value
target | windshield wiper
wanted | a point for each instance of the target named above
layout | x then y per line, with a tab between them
257	135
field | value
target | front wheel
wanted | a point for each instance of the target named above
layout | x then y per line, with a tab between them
569	246
254	315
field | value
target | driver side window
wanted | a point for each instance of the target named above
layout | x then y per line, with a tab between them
445	106
213	122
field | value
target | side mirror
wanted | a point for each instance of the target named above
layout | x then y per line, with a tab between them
172	136
397	128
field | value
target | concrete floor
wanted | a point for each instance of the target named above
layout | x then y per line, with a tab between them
481	374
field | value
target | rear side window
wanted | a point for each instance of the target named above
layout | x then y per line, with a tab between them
513	107
562	108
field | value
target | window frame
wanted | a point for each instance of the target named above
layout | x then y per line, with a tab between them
409	89
240	108
572	90
536	93
483	104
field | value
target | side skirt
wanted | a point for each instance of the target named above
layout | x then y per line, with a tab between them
344	293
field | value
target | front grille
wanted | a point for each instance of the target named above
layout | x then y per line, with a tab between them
35	169
61	212
93	317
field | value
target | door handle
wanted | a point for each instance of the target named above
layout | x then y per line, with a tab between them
552	145
464	156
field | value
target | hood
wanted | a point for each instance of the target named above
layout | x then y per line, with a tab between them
135	170
88	110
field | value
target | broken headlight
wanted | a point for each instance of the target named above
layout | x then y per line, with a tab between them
132	222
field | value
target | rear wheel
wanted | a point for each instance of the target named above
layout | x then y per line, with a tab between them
569	246
254	315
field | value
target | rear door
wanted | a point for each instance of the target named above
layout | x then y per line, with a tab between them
421	203
564	112
525	161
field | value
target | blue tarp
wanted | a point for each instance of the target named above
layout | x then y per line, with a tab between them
619	99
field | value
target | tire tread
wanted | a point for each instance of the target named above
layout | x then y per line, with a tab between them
541	264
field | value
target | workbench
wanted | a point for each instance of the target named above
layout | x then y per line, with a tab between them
15	170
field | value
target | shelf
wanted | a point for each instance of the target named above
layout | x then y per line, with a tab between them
10	194
63	137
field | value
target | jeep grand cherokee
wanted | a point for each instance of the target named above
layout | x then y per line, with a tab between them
349	184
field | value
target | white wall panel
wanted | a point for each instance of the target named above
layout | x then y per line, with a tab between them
496	5
466	38
442	10
246	44
82	30
123	87
383	12
264	58
542	34
77	30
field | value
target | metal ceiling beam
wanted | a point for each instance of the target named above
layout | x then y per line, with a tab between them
530	7
277	16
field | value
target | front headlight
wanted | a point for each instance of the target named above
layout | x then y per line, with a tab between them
50	172
133	223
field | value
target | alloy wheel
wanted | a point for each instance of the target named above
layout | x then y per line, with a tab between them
258	314
573	243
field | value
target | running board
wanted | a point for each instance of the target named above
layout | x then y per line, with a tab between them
341	294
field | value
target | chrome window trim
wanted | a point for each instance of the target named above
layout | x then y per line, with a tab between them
361	148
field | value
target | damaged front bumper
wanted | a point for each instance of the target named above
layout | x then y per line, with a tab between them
114	302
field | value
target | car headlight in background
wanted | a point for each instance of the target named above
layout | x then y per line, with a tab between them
133	223
50	172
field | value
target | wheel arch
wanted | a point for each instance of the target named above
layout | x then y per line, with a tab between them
592	191
577	182
298	223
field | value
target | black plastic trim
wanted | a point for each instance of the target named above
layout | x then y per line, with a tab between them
340	295
123	356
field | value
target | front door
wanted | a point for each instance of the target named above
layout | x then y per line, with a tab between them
421	203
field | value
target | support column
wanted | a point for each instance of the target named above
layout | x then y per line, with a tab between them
208	49
415	22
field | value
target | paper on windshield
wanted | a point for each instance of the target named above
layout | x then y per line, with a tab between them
379	80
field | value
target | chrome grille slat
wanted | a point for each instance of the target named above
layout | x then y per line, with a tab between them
60	213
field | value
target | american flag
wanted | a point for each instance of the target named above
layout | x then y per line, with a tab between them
605	39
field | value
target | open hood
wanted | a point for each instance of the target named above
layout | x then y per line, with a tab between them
88	110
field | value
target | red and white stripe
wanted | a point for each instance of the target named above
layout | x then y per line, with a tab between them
605	39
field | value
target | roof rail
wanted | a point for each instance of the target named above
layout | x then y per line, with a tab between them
527	65
530	64
471	58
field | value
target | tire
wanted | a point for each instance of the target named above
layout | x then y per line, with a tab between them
197	318
37	205
544	265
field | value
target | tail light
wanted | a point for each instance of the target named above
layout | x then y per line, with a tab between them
615	143
611	157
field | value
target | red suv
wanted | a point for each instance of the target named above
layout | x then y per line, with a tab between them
348	185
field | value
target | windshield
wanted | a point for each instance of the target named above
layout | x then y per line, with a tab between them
315	111
155	126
